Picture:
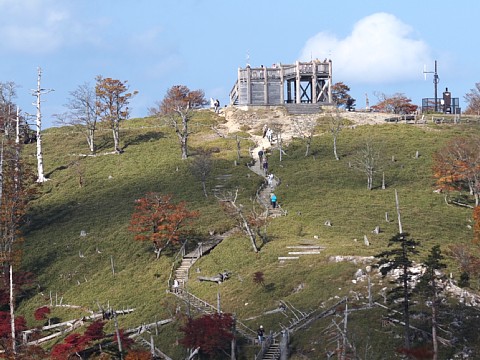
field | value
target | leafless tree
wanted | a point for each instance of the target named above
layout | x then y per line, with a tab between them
251	222
305	128
201	167
8	92
335	124
367	161
277	130
38	92
473	100
82	112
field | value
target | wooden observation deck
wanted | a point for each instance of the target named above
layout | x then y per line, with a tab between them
301	83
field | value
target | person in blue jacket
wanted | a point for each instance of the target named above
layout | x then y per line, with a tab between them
273	200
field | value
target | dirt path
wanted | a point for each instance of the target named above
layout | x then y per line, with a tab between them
253	121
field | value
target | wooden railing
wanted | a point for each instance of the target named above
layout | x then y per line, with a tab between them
266	343
177	260
185	295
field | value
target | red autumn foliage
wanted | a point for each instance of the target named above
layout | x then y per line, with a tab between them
125	340
41	313
420	353
31	352
138	355
180	97
94	331
75	343
212	333
158	220
20	324
259	278
177	109
396	104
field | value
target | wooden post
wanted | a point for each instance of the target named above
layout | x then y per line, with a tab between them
400	229
297	84
265	86
314	82
282	84
249	86
345	320
369	291
152	347
233	344
113	267
120	350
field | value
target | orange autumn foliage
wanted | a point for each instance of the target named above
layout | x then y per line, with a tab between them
158	220
457	165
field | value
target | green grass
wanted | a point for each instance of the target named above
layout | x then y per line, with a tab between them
314	189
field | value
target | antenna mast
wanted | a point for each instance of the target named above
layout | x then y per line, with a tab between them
436	80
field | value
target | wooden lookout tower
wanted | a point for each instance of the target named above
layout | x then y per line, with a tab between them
301	83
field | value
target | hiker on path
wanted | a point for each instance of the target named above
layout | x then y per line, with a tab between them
265	128
273	200
265	166
269	135
260	155
260	334
270	180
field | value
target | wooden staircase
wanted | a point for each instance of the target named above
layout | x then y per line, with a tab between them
204	307
273	351
180	273
270	349
302	109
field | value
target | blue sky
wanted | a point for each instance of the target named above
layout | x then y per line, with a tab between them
377	46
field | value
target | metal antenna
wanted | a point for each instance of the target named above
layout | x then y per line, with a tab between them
436	80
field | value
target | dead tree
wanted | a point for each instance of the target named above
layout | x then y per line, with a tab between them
219	278
367	161
238	140
38	93
277	131
305	128
229	202
201	167
335	125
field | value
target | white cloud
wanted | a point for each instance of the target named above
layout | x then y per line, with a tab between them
380	49
41	26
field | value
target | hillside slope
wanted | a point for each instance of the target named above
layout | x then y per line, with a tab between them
79	247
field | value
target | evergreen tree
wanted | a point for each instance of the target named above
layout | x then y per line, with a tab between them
400	258
428	287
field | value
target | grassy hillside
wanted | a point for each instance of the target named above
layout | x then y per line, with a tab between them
314	189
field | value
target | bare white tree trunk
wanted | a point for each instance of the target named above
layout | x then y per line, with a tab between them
116	136
41	176
12	309
335	146
17	139
117	332
91	140
400	229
